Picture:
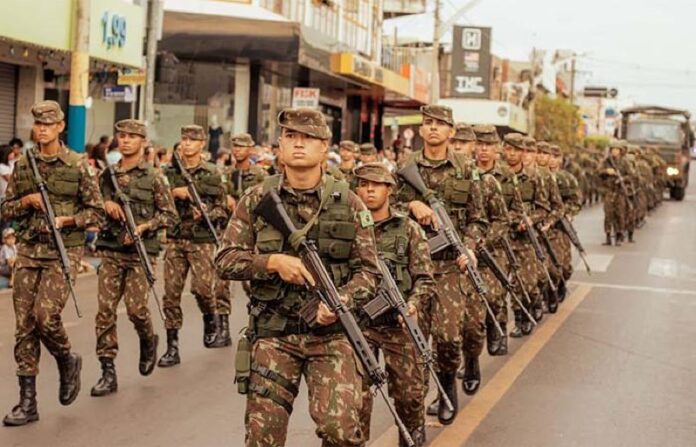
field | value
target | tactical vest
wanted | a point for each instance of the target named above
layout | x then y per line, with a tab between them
209	187
527	191
392	244
240	181
63	185
141	192
565	185
334	234
507	186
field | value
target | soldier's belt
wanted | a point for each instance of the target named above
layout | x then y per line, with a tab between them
299	328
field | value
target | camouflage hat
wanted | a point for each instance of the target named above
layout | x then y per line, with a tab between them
556	150
194	132
544	147
464	132
47	112
348	144
441	113
486	133
621	144
375	172
516	140
136	127
243	140
368	149
634	149
307	121
530	144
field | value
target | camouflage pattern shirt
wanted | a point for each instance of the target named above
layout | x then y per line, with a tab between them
495	202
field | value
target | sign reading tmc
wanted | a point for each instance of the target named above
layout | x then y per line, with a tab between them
471	62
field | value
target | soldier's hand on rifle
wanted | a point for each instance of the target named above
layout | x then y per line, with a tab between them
181	193
423	213
463	261
64	221
521	227
611	171
33	200
114	210
139	230
545	228
291	269
324	316
231	204
411	312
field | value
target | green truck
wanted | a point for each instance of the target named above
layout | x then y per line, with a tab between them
669	132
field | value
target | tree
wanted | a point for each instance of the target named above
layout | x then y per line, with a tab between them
557	121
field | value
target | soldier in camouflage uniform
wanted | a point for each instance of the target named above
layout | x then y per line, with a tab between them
615	200
348	152
40	291
464	140
402	244
283	348
121	274
646	183
456	182
368	153
191	245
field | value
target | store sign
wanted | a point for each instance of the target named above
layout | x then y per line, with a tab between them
119	93
471	62
305	97
116	32
358	67
131	77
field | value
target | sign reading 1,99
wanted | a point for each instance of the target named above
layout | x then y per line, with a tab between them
113	30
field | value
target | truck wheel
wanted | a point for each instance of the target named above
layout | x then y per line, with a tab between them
677	193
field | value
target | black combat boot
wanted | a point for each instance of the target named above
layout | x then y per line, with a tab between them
107	383
538	310
210	331
630	237
472	376
25	411
224	330
431	410
69	368
608	241
551	300
148	354
460	372
171	357
449	384
492	338
562	290
503	348
619	239
517	331
417	435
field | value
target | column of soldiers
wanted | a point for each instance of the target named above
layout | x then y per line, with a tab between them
500	198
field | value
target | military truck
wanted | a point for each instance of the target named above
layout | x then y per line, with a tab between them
669	132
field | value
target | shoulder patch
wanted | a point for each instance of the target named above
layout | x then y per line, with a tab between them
91	171
475	175
165	180
365	219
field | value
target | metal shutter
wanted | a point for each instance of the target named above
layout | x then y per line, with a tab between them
8	98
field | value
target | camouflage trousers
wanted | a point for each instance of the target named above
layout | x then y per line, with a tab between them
554	271
181	256
614	212
334	383
458	321
562	247
121	276
39	296
406	377
529	272
223	302
496	291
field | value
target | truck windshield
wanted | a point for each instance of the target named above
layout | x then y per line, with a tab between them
655	132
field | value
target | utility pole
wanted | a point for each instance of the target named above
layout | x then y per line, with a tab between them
154	29
79	78
572	81
435	87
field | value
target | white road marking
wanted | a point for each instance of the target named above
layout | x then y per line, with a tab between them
670	268
598	262
636	288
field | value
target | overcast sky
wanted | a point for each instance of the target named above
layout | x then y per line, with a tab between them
645	48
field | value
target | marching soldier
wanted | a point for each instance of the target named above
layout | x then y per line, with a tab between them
192	245
613	171
368	153
284	348
402	244
456	182
348	152
464	140
40	291
121	274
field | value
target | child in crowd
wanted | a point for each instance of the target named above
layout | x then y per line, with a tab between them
8	254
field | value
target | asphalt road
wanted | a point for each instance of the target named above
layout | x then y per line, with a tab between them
614	367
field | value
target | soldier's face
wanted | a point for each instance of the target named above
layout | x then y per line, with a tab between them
241	153
529	157
435	132
47	133
346	154
615	152
375	195
485	152
190	147
129	143
542	159
299	150
368	158
555	161
513	155
464	147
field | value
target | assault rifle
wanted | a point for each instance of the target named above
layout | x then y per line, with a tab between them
567	227
447	236
388	298
195	198
50	217
130	226
538	251
271	209
622	183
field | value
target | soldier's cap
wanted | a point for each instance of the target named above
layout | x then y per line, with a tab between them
47	112
621	144
194	132
136	127
348	144
464	132
486	133
556	150
243	140
307	121
368	149
530	144
634	149
544	147
516	140
441	113
375	172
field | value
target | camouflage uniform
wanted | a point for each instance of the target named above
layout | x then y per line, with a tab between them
402	244
571	194
284	348
615	201
40	291
347	172
191	245
554	211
